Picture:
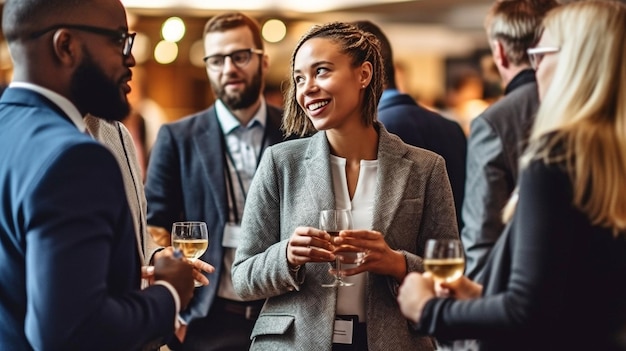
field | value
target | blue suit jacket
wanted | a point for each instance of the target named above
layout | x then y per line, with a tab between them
417	126
185	181
70	272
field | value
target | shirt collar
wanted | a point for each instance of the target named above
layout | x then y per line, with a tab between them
229	122
523	77
63	103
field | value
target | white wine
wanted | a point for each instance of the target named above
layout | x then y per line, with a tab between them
445	269
191	248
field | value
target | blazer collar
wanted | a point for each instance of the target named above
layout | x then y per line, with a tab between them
393	174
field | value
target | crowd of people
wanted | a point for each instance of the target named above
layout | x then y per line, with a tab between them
534	193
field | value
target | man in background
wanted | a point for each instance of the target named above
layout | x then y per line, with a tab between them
71	266
418	126
200	169
498	136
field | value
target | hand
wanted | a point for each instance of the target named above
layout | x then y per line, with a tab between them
415	291
463	288
177	272
161	236
199	267
309	245
379	257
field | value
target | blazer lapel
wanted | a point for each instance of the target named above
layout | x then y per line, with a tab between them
393	174
211	156
319	176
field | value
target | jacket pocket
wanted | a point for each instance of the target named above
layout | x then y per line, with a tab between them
272	324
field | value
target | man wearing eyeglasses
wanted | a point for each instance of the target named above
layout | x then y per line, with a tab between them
498	136
71	268
200	169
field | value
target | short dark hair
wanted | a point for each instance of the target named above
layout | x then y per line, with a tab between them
385	50
232	20
22	17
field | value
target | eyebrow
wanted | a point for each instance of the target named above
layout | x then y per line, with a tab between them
316	64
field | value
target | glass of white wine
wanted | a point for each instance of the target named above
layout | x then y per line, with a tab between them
192	239
444	259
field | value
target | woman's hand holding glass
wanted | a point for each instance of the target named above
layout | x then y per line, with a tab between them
309	244
374	254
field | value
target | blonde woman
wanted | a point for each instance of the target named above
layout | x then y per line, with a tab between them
553	279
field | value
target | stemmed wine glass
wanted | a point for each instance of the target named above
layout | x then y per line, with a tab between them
192	239
334	221
444	259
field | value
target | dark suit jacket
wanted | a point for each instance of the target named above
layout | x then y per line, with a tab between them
70	272
417	126
185	181
497	139
550	282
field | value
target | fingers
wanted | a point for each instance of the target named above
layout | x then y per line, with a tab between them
309	244
202	266
199	277
147	272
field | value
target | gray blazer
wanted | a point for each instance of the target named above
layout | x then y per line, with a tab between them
498	138
293	183
117	138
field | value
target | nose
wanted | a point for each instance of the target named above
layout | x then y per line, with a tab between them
129	61
229	65
309	87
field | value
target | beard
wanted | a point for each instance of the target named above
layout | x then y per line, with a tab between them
240	100
97	94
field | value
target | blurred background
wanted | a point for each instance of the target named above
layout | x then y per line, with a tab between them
440	50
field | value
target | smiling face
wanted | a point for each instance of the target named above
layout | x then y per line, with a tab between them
547	64
328	87
237	87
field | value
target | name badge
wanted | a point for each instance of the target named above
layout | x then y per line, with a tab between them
232	235
342	333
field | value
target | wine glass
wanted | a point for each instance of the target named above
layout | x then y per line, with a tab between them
192	239
334	221
444	259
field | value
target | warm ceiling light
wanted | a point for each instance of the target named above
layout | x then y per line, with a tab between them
165	52
173	29
274	30
141	48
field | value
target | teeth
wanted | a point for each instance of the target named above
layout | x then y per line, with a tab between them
315	106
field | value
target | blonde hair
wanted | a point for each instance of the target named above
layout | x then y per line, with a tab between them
516	24
361	47
581	121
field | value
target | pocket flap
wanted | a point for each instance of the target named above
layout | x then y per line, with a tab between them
272	324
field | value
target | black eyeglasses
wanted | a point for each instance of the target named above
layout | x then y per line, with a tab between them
535	55
125	39
240	58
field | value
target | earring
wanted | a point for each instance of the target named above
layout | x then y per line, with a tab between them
363	86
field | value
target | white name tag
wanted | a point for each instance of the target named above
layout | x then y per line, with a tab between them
232	235
343	332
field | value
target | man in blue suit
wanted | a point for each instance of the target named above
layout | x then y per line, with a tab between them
200	169
71	269
418	126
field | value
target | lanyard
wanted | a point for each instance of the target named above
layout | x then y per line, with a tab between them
229	157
